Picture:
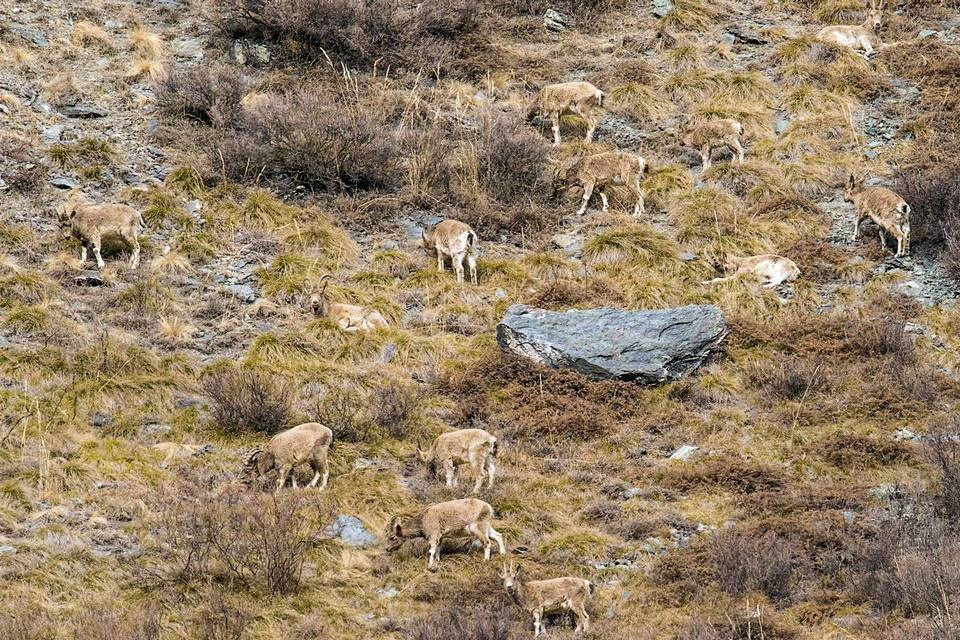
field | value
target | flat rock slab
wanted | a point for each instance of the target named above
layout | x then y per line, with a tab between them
351	530
649	346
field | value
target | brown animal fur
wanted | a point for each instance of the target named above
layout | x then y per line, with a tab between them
772	269
540	596
711	135
90	223
862	37
307	443
605	169
475	447
454	239
554	100
348	317
469	515
176	451
884	207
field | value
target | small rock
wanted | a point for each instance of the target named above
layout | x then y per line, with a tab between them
684	453
556	21
189	401
728	38
187	48
106	485
34	35
389	351
686	256
926	33
500	293
100	419
887	491
905	434
654	545
247	51
84	110
781	124
745	35
389	245
389	592
6	548
88	278
662	7
351	530
156	152
53	133
243	292
570	243
153	429
193	206
63	182
849	516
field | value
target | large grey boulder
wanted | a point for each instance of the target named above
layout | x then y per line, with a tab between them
649	346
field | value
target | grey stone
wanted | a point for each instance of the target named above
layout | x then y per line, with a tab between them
556	21
247	51
746	35
84	110
34	35
189	401
684	453
63	182
193	206
686	256
243	292
88	278
389	352
100	419
662	7
728	38
351	530
389	592
926	33
500	293
781	124
905	434
53	133
886	491
6	548
649	346
187	48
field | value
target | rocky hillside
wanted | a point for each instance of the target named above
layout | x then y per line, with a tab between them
798	476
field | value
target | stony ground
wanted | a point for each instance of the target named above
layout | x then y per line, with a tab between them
791	450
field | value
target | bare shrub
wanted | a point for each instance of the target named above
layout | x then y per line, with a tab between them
934	198
246	399
511	158
737	626
577	8
314	138
742	562
474	623
790	379
394	408
911	565
222	616
234	537
943	451
728	472
445	35
210	93
342	410
855	451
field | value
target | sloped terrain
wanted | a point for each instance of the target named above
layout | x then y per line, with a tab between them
815	490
